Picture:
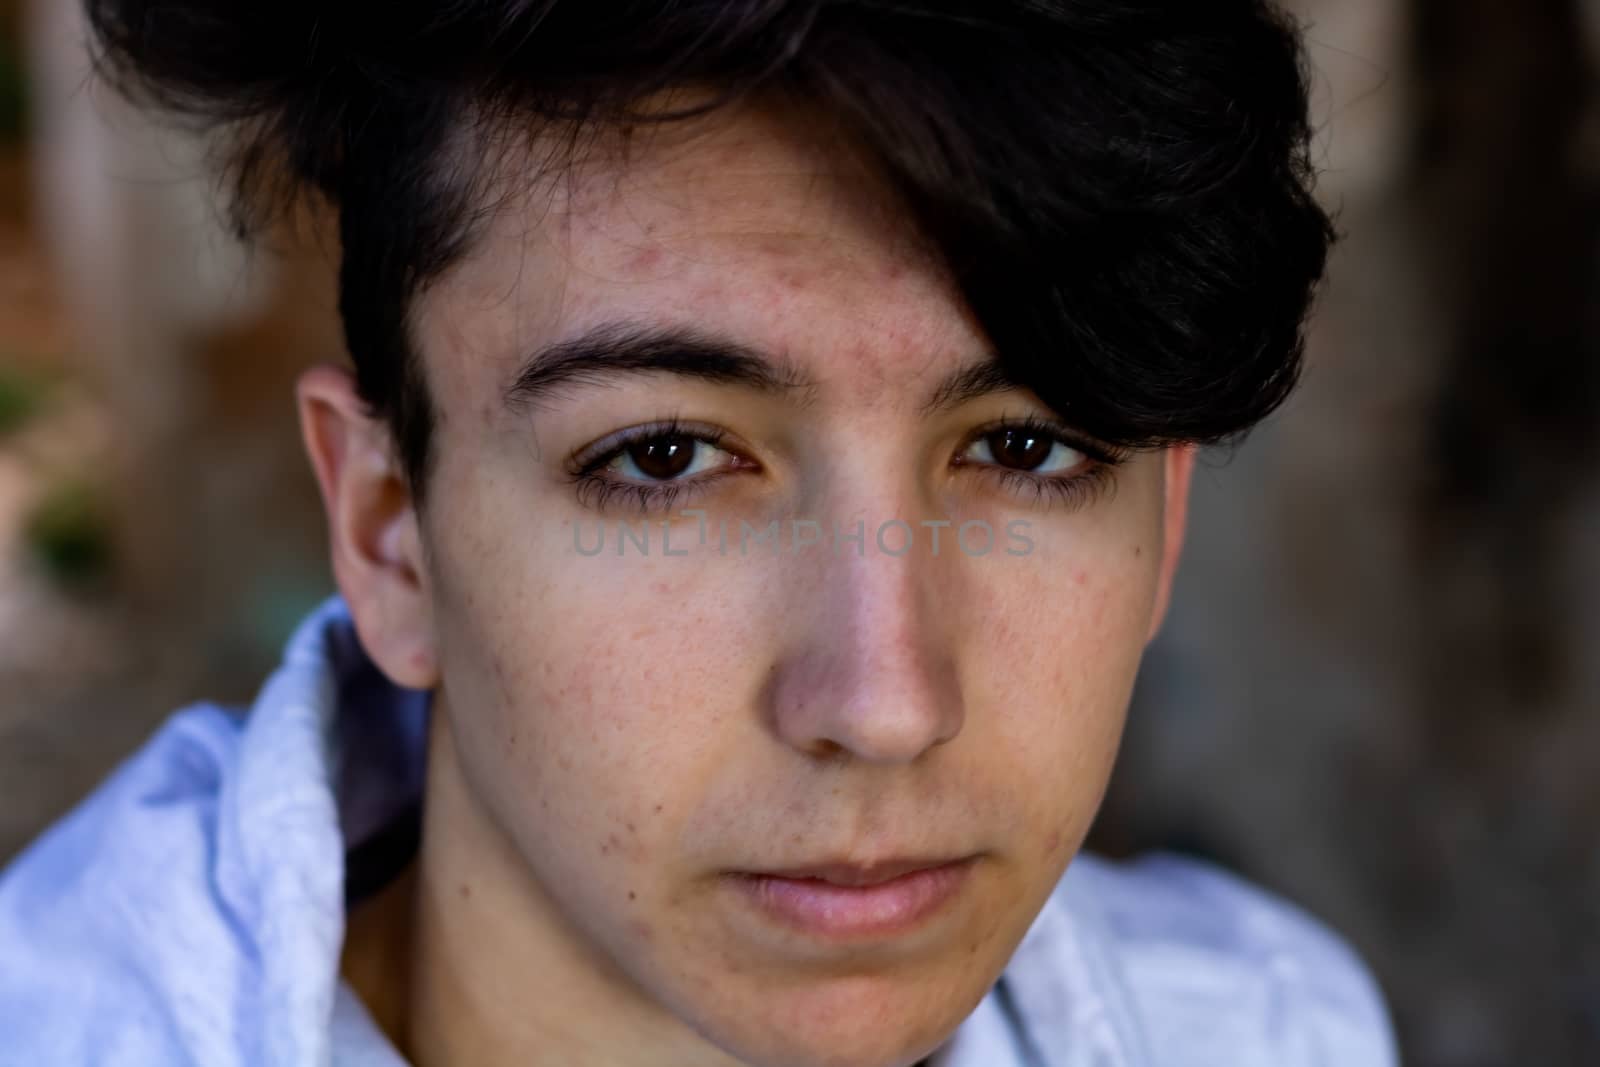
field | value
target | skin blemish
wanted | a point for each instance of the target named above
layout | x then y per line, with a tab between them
466	891
645	260
794	280
503	683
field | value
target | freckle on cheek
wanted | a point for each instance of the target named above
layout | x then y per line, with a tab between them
501	683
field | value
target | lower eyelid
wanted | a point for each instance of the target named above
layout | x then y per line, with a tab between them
1075	491
600	492
605	493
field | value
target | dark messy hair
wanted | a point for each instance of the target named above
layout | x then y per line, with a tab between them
1120	188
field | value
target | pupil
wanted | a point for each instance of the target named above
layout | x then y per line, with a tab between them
1020	449
663	458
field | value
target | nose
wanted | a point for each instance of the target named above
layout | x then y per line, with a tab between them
867	671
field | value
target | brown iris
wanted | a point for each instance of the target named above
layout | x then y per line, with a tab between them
663	458
1022	450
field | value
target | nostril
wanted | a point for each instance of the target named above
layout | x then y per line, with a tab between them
828	749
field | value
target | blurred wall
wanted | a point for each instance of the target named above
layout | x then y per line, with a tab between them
161	531
1378	690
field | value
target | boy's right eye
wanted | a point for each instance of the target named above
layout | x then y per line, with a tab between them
652	467
665	458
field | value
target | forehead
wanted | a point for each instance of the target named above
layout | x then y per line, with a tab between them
748	223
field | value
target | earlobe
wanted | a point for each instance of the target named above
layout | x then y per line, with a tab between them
1175	519
374	540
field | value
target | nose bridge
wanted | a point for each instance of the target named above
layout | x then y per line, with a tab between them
868	669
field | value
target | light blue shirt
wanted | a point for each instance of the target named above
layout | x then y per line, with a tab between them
191	912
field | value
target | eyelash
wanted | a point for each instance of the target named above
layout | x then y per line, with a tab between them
601	493
597	491
1072	491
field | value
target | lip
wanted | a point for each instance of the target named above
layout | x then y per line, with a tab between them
852	902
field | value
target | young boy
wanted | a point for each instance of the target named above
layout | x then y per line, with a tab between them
763	466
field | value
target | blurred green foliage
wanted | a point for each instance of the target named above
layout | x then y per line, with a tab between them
69	535
22	396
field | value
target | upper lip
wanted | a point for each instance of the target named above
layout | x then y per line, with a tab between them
860	874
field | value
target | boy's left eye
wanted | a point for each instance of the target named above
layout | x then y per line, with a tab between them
1027	450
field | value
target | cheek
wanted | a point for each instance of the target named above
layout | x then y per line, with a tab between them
1053	653
594	697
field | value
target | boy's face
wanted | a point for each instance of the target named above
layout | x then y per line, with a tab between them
625	743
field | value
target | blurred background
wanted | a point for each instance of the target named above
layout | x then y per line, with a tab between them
1379	692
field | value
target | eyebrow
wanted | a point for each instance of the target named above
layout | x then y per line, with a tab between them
623	349
971	382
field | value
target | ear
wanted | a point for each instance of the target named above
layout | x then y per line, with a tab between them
1175	519
373	533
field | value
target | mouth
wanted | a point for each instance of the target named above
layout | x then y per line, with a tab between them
853	902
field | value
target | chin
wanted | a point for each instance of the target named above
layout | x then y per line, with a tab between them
883	1050
859	1022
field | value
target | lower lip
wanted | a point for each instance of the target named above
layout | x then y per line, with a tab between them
838	912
